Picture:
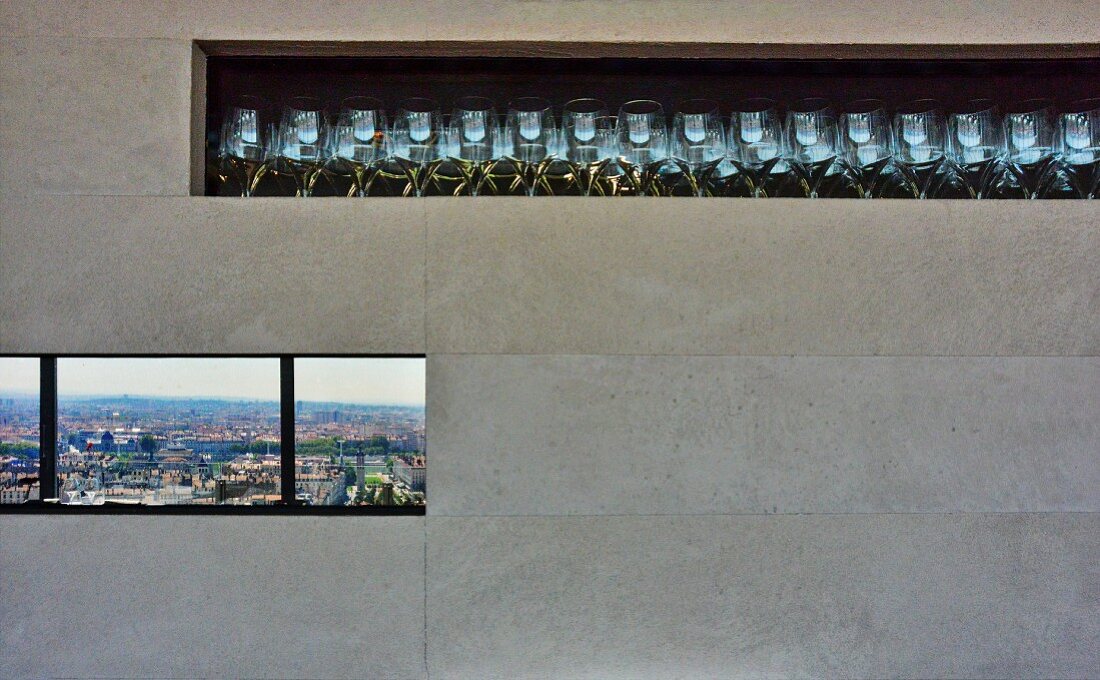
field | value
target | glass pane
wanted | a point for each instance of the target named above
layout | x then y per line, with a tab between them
168	431
359	431
19	434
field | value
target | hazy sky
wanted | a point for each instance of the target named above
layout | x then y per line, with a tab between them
19	374
362	381
365	381
243	378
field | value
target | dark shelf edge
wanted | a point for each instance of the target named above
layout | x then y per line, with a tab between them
655	50
41	508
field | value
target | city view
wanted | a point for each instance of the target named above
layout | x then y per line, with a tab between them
207	432
18	429
359	431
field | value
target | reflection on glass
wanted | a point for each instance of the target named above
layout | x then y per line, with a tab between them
756	147
473	141
699	148
868	147
589	148
976	145
359	143
530	146
168	431
244	153
643	150
19	430
417	150
919	138
813	143
1079	146
359	431
303	139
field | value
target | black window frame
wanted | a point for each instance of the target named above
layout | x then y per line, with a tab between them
288	505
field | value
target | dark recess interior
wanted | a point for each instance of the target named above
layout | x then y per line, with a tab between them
616	80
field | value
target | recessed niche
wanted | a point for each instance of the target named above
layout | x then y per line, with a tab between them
615	74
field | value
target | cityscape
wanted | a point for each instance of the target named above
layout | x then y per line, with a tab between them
154	447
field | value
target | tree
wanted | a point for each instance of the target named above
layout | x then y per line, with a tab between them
380	441
148	444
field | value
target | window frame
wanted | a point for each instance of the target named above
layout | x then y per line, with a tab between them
288	505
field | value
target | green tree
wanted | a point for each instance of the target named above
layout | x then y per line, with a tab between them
23	450
379	441
147	444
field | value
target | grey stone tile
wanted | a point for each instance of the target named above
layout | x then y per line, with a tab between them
857	596
763	277
130	274
212	597
95	116
784	21
539	435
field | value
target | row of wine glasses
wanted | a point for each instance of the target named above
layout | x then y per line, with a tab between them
809	149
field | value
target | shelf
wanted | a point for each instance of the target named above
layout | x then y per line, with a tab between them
618	72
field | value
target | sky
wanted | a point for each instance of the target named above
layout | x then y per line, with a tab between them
193	377
346	380
360	381
19	374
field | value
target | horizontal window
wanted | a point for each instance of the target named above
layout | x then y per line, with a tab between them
190	432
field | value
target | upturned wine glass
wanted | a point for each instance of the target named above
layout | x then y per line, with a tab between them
360	141
1029	141
756	143
1078	144
587	146
417	149
302	146
244	150
976	145
530	143
472	145
919	145
812	142
643	147
698	143
868	145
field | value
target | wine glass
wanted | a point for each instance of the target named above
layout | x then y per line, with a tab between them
244	150
976	145
868	145
586	146
472	140
812	142
531	141
643	146
1078	144
1029	142
359	141
919	131
417	147
698	142
302	145
756	143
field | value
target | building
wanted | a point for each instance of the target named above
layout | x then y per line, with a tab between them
414	473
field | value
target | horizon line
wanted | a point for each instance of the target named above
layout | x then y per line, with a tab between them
274	400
